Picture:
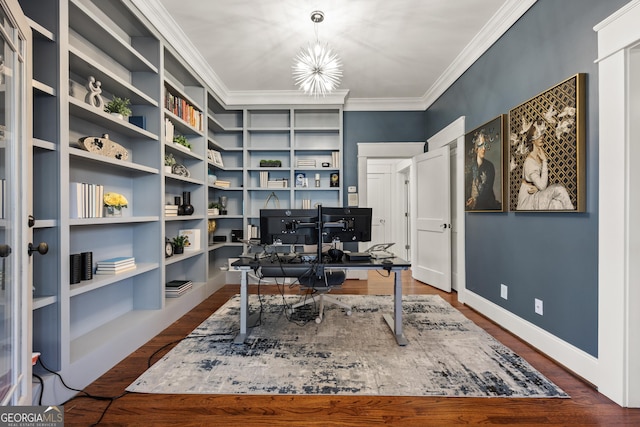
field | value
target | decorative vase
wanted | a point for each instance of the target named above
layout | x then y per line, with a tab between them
112	211
178	202
167	169
186	204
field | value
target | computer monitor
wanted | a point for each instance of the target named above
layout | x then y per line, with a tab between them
346	224
289	226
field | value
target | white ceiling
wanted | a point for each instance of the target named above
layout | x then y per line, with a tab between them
393	52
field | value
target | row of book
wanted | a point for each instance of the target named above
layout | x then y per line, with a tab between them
253	231
116	265
176	288
86	200
181	108
335	159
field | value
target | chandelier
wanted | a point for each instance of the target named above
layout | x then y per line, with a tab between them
316	68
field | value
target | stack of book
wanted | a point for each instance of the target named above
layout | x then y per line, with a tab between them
221	183
116	265
175	288
170	210
306	163
278	183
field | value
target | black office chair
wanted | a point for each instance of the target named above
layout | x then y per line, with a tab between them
322	283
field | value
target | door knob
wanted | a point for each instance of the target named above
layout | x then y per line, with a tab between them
5	251
42	248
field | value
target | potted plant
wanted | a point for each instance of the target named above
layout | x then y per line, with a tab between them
169	161
182	140
179	242
113	204
119	107
214	208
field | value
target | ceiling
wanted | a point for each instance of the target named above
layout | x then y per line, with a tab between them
393	52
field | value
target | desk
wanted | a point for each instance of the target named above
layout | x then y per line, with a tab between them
396	266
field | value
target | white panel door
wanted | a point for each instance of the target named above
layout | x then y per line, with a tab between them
378	199
431	218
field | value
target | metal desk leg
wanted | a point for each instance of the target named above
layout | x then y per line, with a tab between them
246	322
396	323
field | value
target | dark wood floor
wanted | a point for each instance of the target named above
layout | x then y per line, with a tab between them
586	406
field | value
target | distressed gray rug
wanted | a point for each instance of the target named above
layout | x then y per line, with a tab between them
447	354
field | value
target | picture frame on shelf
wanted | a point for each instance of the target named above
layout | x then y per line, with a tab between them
215	158
193	239
547	150
483	167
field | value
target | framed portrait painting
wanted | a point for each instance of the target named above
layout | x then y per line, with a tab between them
483	167
546	150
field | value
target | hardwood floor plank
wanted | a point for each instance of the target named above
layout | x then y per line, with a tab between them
586	407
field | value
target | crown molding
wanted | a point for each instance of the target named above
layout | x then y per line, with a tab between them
504	18
159	17
283	97
501	21
384	104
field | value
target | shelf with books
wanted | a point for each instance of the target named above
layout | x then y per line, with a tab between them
100	281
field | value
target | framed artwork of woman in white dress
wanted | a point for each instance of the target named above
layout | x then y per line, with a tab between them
546	150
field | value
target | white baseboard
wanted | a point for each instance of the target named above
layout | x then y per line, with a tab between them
571	357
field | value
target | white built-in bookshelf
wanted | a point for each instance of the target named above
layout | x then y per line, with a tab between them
83	329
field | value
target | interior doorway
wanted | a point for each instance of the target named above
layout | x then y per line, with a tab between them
388	196
393	159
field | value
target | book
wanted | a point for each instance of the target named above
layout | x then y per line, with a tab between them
113	271
175	288
116	261
115	267
178	283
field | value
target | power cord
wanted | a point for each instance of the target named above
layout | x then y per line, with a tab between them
85	394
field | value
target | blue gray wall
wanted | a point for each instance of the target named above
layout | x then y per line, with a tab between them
551	256
377	126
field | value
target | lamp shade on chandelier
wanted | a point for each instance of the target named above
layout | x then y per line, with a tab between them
317	69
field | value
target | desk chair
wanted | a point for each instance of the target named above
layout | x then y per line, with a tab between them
322	284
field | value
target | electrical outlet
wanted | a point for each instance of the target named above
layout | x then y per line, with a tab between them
538	306
504	291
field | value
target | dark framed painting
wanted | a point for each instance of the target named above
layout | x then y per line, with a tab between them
484	167
546	150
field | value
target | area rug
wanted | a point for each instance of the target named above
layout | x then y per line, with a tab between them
447	354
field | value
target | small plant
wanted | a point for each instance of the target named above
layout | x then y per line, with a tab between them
214	205
182	140
115	200
180	241
169	160
119	106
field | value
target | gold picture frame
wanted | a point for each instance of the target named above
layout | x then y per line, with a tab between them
547	150
484	187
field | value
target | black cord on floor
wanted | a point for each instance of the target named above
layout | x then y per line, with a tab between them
84	394
39	378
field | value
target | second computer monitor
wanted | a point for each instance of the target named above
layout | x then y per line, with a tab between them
289	226
346	224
